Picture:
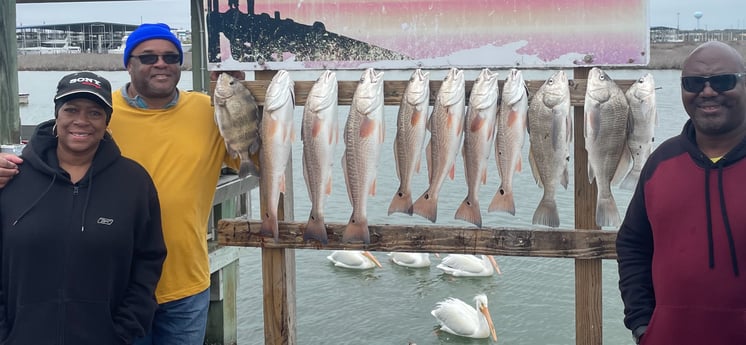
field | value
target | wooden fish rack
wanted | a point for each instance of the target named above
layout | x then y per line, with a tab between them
586	244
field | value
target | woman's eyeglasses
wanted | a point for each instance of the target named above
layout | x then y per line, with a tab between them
719	83
149	59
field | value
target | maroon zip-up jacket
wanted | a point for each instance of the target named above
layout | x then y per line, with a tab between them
682	247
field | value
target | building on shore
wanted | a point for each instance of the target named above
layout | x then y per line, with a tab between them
663	34
90	37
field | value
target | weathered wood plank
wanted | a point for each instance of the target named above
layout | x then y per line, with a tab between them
393	90
588	275
579	244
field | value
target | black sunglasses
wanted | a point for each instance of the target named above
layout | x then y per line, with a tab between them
719	83
149	59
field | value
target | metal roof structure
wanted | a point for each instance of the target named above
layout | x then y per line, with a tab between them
95	37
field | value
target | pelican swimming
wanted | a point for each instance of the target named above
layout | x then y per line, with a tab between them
459	318
354	259
414	260
464	265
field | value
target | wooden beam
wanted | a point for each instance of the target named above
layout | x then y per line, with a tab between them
393	90
550	243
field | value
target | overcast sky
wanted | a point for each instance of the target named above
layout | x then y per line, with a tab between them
716	14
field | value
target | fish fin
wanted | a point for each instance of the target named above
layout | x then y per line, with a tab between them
367	127
372	190
469	211
281	183
625	163
401	202
316	127
546	213
417	116
426	206
607	213
630	180
356	231
429	159
315	229
396	159
565	180
417	165
452	172
484	174
513	117
328	189
503	201
476	123
519	164
534	169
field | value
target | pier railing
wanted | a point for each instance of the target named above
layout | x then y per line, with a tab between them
587	244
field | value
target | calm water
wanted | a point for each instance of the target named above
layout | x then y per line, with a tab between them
533	302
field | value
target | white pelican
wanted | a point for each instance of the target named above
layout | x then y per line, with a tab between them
464	265
354	259
414	260
459	318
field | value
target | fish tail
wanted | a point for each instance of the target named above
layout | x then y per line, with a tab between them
426	206
503	201
247	168
315	229
630	180
402	202
269	227
546	213
356	231
607	213
469	211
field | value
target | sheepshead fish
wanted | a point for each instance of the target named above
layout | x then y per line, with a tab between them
512	121
410	138
605	131
277	134
550	134
237	116
363	137
446	130
642	121
320	134
479	138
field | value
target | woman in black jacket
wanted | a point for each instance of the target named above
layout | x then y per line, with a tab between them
82	247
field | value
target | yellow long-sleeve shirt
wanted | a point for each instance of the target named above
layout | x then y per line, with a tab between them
183	151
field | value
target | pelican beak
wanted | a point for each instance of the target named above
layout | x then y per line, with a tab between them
370	256
494	264
486	313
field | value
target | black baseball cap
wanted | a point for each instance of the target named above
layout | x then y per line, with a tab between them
85	85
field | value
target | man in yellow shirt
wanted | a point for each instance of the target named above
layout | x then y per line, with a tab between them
173	135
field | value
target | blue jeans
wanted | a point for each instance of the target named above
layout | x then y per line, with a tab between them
180	322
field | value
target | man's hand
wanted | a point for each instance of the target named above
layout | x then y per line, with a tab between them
8	167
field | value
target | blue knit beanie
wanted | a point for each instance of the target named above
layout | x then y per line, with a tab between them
148	32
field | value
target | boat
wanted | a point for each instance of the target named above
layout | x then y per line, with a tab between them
23	97
51	47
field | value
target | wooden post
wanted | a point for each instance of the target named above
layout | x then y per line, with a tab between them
278	267
588	299
200	74
10	118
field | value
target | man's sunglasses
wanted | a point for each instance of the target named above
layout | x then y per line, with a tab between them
719	83
149	59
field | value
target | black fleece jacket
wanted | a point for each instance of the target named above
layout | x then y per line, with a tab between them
80	261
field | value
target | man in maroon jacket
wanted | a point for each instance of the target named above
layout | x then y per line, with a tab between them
683	240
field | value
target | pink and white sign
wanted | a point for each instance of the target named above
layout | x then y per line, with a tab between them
392	34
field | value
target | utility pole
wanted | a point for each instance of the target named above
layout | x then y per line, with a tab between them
10	118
